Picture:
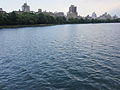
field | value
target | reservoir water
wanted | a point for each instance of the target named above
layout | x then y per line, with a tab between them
61	57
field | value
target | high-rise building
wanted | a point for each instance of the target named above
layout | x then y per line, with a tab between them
72	13
72	9
94	15
25	8
115	17
1	9
39	10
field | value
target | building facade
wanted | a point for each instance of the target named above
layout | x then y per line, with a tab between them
25	8
105	16
39	10
59	14
1	9
72	13
72	9
94	15
115	17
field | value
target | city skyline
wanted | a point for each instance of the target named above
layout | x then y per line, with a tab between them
83	8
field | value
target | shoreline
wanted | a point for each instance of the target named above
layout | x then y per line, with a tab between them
22	26
43	25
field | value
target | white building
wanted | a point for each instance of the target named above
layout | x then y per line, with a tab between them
115	17
48	13
59	14
19	11
72	12
88	17
55	14
94	15
105	16
25	8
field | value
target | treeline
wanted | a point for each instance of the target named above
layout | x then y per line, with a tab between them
29	19
33	18
86	20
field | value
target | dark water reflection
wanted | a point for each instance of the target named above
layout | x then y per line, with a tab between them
62	57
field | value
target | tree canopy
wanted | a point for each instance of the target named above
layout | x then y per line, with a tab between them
33	18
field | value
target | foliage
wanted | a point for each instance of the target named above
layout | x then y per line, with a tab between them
33	18
29	19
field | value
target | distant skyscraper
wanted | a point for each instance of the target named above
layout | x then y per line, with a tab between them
72	13
72	9
39	10
94	15
25	8
1	9
115	17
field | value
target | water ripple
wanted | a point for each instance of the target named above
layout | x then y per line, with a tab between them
63	57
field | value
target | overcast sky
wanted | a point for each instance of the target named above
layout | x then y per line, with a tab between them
85	7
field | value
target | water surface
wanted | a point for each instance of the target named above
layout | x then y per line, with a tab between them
62	57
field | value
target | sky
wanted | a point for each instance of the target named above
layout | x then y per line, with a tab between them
84	7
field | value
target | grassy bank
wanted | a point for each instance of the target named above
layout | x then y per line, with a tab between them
19	26
41	25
